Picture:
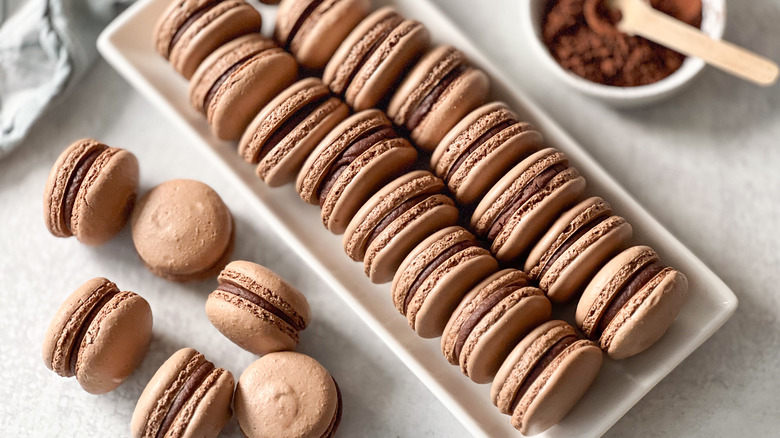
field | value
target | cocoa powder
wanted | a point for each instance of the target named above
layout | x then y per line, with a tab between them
608	56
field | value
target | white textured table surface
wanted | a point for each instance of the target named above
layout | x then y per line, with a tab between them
706	164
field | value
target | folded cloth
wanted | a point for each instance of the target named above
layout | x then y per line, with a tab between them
45	46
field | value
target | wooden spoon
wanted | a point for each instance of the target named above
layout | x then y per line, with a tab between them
639	18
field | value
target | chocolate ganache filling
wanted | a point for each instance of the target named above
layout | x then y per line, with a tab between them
76	347
259	301
185	393
393	215
76	180
571	240
301	19
490	133
288	125
390	24
224	77
541	365
629	289
435	263
188	22
433	96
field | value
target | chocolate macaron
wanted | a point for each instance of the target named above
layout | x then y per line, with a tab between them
189	30
575	247
287	394
350	164
288	128
99	335
257	309
481	148
395	220
187	396
523	203
439	91
373	57
631	302
313	29
183	231
237	80
546	374
90	192
490	321
433	278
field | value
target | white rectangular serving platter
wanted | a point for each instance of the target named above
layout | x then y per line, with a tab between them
127	45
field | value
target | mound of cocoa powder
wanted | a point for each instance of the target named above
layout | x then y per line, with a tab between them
611	57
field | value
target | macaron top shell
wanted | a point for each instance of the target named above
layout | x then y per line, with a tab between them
182	230
186	397
90	192
553	369
190	30
287	394
313	29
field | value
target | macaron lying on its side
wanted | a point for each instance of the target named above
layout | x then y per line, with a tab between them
546	374
373	57
434	277
237	80
575	247
350	164
525	201
189	30
481	148
183	231
287	395
313	29
90	192
397	218
99	335
187	397
631	302
490	321
257	309
285	131
439	91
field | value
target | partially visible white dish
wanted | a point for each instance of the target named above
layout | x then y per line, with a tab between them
127	45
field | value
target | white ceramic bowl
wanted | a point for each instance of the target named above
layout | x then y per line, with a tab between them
713	23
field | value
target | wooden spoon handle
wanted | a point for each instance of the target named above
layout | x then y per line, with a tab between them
639	18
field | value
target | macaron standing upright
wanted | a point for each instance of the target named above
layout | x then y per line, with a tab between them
90	192
99	335
183	231
631	302
187	396
435	276
233	83
524	202
350	164
578	243
288	128
312	30
481	148
395	220
189	30
371	60
287	395
256	309
438	92
545	376
489	322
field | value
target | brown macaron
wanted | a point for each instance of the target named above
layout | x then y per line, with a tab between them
433	278
99	335
183	231
490	321
395	220
546	374
187	396
575	247
313	29
189	30
374	56
237	80
439	91
256	309
523	203
90	192
350	164
287	394
288	128
631	302
481	148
